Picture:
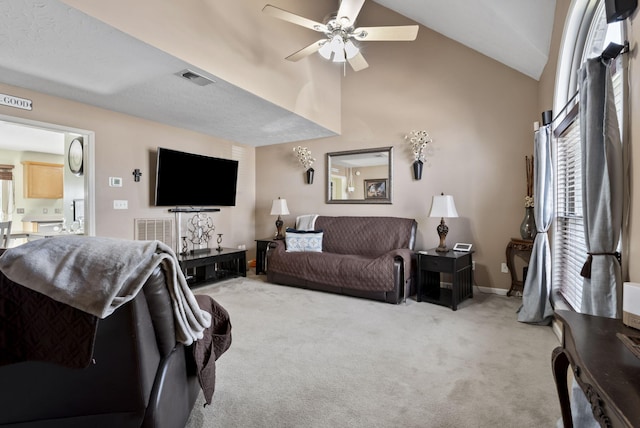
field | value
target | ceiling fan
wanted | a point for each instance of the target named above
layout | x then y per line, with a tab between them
340	33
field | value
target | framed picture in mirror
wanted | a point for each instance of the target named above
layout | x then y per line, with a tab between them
376	188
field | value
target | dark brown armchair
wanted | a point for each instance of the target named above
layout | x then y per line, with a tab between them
138	375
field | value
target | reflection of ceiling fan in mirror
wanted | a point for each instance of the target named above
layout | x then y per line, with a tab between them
340	33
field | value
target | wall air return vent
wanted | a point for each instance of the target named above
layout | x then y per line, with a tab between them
155	229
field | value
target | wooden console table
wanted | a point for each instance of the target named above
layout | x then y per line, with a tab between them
430	265
214	265
606	370
523	248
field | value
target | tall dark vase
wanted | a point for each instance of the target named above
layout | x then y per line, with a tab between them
417	169
528	227
309	173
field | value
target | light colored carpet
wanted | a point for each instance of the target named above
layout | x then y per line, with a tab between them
302	358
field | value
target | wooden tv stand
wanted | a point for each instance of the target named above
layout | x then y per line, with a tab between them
201	268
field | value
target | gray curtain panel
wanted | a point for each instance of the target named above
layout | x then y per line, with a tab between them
536	297
602	190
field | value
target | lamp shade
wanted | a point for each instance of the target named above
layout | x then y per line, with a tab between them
443	206
279	207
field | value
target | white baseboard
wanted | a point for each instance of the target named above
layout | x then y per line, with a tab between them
491	290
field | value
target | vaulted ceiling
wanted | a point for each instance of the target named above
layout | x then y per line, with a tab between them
42	41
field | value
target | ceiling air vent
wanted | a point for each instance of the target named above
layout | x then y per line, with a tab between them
194	77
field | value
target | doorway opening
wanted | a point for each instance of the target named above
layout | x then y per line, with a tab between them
24	141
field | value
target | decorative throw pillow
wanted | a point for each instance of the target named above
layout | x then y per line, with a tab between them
303	240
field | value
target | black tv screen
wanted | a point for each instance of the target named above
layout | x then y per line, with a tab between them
189	179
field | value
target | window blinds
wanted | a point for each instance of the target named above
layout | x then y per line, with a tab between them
6	172
569	247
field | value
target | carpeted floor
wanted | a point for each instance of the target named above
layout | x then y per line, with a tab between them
303	358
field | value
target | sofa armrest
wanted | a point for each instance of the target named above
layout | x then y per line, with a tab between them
276	247
406	259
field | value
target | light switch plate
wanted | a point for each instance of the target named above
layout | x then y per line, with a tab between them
120	204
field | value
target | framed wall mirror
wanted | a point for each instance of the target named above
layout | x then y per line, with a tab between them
360	176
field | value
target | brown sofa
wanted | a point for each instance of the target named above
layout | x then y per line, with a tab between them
368	257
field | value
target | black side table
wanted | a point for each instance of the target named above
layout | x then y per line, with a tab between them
262	245
430	265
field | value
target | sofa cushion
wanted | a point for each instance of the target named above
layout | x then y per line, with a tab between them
303	240
366	236
338	270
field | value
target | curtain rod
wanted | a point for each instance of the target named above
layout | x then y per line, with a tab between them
613	50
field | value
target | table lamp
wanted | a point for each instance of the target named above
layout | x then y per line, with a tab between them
443	206
279	207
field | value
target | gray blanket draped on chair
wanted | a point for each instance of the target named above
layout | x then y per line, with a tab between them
98	275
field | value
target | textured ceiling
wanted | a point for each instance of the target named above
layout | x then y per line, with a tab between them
52	48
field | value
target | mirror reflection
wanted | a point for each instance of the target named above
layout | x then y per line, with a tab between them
360	176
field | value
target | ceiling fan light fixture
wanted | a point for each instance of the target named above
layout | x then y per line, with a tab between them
337	43
325	51
350	49
340	34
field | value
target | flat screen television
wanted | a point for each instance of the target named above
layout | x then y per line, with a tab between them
188	179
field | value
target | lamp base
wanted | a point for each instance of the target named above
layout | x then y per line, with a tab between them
279	224
442	229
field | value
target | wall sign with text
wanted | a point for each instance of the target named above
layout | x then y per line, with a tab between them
11	101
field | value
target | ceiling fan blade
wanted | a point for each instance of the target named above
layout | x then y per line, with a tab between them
358	62
350	9
304	52
276	12
392	33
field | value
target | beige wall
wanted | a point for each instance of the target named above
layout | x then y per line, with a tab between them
548	77
480	116
124	143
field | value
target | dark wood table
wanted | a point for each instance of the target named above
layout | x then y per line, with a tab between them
606	370
214	265
522	248
262	245
429	285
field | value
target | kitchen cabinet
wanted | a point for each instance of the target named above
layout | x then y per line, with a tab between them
43	180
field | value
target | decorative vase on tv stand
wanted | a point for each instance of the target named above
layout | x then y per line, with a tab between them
528	227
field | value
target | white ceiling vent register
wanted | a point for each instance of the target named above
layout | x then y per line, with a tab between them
155	229
194	77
